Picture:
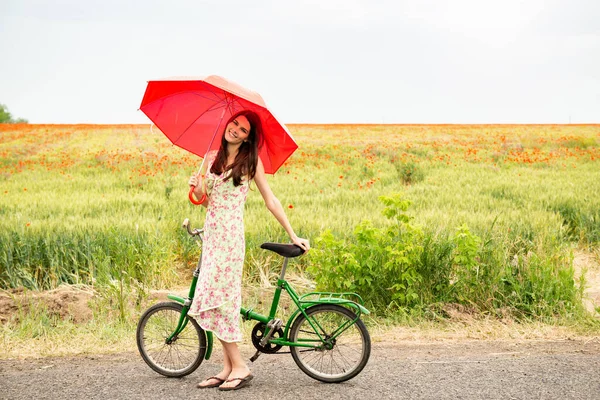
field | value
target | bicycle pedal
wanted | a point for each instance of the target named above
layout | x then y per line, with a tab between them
273	325
255	356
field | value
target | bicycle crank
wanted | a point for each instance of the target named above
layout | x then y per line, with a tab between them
261	341
273	325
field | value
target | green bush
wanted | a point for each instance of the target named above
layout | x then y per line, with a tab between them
402	267
379	264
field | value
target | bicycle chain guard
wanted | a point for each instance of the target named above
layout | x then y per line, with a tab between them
257	334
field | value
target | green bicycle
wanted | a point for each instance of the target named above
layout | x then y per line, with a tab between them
325	335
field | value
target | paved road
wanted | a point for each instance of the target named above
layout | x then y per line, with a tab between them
458	370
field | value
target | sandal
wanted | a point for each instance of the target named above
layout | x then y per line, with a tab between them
243	382
212	385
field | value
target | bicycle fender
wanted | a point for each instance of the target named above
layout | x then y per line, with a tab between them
209	334
178	299
363	309
209	344
359	307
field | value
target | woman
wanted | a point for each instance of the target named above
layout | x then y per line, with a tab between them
217	300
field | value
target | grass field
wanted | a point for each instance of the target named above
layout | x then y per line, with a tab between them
495	212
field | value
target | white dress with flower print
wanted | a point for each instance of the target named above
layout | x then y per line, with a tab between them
218	296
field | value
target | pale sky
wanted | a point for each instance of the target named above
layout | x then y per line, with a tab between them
314	61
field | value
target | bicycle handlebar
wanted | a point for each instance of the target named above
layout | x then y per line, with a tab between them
192	232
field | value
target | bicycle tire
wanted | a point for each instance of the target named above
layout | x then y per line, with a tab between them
349	353
183	355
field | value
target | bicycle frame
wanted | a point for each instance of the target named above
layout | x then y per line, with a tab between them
302	303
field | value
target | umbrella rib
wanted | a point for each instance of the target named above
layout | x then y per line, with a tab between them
231	101
216	106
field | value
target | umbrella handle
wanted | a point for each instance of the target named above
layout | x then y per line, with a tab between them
193	200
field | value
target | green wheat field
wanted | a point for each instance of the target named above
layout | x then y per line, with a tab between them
418	219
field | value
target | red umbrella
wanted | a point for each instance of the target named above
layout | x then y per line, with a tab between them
191	112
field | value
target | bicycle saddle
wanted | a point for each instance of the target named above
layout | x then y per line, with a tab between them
284	250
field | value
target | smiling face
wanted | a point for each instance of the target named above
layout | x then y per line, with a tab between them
238	130
240	146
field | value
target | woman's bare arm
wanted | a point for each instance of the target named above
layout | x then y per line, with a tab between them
274	206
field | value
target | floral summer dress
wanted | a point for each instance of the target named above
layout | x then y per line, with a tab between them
218	297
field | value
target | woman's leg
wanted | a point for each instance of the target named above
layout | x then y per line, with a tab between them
239	369
223	375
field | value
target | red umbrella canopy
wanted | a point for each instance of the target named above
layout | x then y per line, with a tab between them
192	112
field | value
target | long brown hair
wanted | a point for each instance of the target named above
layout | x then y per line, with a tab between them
246	159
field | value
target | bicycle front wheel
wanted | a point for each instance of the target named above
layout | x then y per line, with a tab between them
342	352
173	357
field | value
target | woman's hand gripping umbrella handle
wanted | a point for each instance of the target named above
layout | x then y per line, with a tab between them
194	181
193	200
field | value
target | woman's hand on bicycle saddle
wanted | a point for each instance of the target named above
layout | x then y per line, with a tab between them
304	244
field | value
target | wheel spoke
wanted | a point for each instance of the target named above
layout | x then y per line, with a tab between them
185	351
337	358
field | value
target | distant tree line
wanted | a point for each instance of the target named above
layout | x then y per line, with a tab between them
7	118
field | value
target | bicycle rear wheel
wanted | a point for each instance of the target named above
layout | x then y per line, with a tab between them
182	354
335	359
